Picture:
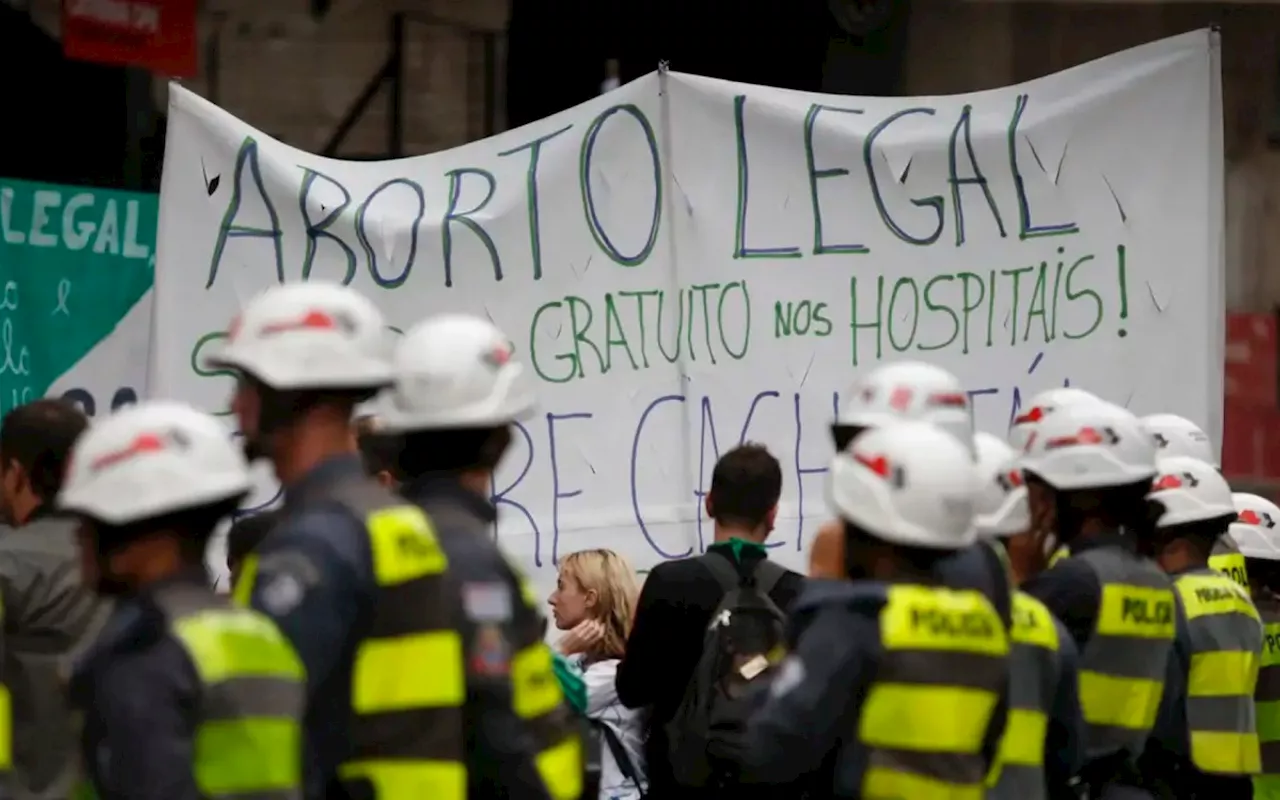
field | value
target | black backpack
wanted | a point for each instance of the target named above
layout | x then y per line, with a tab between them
744	634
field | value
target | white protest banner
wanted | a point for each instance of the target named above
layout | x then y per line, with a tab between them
688	263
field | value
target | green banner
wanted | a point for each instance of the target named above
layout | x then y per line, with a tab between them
74	265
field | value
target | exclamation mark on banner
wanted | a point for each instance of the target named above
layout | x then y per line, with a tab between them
1124	287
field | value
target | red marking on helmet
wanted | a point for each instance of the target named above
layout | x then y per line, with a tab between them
233	330
314	320
498	356
950	399
1083	436
879	464
901	398
143	443
1166	482
1034	415
1249	517
1014	477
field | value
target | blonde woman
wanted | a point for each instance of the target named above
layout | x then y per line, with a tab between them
593	603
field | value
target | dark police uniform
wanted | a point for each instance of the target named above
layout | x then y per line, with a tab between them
1216	656
1042	747
1120	610
183	697
873	699
512	665
1266	786
341	598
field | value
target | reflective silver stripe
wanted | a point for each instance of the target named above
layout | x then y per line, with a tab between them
1231	632
1034	672
1123	656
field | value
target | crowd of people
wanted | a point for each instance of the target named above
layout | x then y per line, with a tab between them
1081	608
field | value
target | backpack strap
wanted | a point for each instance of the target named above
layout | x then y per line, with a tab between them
766	575
620	757
724	571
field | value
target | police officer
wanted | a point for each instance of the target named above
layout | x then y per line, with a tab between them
457	395
1042	747
1178	436
1088	470
916	390
893	682
1221	641
1040	407
184	696
351	573
1255	533
1024	426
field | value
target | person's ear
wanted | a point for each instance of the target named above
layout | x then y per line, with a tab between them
770	517
591	598
14	472
385	478
709	506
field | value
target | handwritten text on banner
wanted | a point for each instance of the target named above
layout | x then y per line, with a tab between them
686	263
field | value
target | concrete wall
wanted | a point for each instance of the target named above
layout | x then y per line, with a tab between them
1021	41
295	79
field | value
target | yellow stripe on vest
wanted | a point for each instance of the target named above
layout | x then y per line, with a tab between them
1223	673
420	670
1023	742
1232	565
560	767
534	688
886	784
903	716
409	779
1222	752
232	643
6	729
242	591
238	756
1136	611
1203	595
404	545
962	627
1129	703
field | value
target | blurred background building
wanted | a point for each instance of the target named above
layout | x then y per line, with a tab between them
388	78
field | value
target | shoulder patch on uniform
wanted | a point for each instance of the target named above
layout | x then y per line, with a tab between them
281	593
490	652
292	562
488	601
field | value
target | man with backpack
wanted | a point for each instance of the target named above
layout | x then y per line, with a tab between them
705	628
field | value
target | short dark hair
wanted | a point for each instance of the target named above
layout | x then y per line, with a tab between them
39	436
379	450
248	532
745	486
451	450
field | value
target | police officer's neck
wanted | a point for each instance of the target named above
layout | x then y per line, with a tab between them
724	533
1089	528
309	446
1180	555
155	560
476	481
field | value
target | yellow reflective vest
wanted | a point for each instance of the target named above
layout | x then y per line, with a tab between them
1226	645
944	665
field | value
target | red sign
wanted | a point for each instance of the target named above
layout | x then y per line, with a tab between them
159	35
1251	359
